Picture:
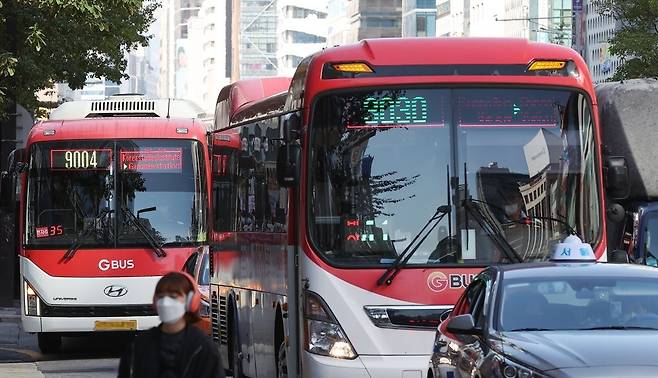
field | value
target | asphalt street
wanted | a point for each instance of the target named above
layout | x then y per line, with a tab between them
95	356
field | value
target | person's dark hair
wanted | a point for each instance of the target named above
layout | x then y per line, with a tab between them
176	282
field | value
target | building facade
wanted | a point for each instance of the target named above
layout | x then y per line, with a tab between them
254	32
536	20
443	19
355	20
419	18
598	31
560	23
301	31
213	53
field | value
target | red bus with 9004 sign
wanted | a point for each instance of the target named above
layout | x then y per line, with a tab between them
114	195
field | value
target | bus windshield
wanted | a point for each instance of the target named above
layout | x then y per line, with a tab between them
383	160
88	190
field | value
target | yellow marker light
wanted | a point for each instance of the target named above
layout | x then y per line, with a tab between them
547	65
352	67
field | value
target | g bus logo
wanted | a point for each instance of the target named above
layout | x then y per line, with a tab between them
437	281
106	264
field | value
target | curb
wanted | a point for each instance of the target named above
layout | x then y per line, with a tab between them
19	370
13	356
10	314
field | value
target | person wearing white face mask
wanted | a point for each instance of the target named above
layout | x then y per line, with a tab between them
175	348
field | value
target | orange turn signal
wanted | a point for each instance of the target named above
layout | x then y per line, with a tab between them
547	65
356	67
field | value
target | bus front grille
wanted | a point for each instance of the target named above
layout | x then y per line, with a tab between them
97	311
223	321
214	314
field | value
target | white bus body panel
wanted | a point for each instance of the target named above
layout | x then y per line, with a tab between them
383	352
74	291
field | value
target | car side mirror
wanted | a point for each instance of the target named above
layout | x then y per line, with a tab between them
444	316
463	325
617	180
619	256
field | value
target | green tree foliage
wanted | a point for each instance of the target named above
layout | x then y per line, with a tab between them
47	41
636	40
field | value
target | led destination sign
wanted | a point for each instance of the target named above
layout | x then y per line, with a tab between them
388	111
81	159
166	161
492	110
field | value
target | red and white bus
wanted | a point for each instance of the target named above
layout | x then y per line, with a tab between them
352	208
115	194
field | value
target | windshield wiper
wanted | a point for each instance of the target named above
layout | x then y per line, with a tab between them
157	248
529	329
402	259
526	219
85	233
487	224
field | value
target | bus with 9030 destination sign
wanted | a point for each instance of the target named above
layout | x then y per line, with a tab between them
352	208
113	194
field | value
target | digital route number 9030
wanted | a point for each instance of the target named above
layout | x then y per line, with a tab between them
81	159
386	112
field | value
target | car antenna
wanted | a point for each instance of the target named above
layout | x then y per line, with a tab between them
168	106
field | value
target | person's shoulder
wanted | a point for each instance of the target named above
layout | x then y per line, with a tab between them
196	335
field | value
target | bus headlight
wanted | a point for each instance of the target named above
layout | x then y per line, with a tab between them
32	301
322	333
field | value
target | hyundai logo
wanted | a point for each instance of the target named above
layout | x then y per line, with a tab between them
115	291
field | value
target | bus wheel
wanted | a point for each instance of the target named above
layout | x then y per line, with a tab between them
282	361
236	361
49	342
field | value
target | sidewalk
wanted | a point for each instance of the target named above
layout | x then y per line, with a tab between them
14	344
20	370
9	314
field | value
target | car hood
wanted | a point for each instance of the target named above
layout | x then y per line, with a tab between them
549	350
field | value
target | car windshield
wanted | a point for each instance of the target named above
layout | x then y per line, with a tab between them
86	190
383	160
577	303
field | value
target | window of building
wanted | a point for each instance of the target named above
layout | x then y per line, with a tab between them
426	4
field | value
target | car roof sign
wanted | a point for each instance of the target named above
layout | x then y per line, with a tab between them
572	249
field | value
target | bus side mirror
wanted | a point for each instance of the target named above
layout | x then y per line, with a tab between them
10	179
287	165
616	177
288	157
616	213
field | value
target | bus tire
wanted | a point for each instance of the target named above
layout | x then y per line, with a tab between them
280	351
282	361
49	342
235	357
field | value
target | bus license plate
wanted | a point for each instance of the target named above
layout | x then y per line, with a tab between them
115	325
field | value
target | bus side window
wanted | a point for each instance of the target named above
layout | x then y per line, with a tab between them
262	203
224	167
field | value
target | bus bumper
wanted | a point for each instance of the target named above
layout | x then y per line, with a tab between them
396	366
73	325
366	366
